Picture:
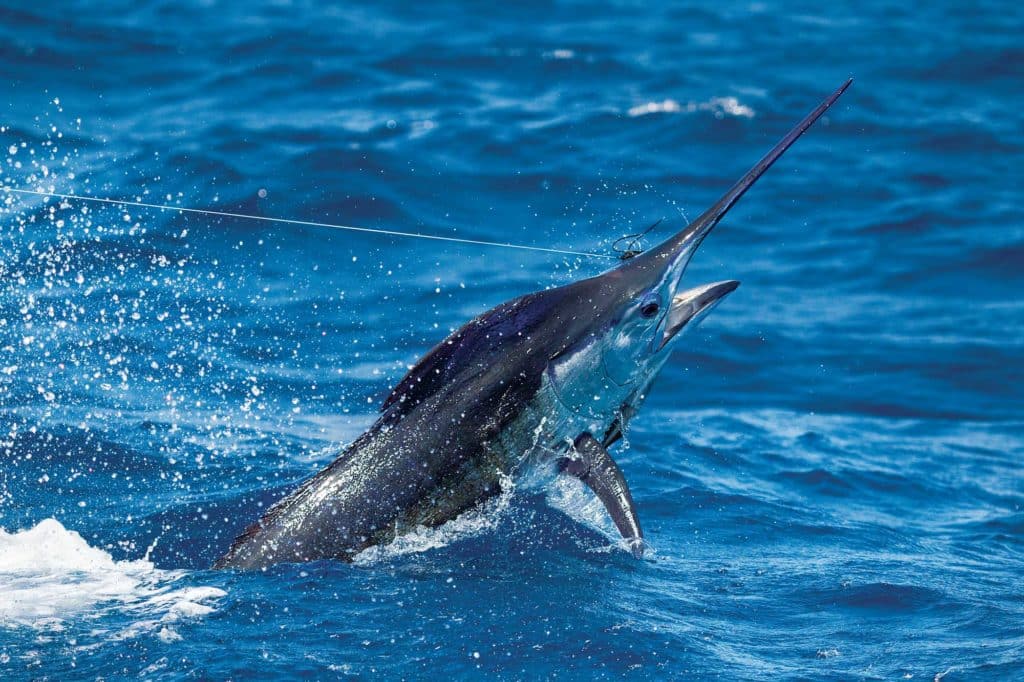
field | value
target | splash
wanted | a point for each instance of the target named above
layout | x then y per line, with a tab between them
50	576
571	497
469	524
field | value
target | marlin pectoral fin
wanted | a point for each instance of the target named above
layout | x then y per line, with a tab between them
592	464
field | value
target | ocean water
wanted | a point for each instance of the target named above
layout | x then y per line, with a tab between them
828	470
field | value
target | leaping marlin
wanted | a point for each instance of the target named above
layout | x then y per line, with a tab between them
547	379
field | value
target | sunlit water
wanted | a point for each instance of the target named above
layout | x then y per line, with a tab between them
828	471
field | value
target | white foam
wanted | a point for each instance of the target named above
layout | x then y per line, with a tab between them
50	575
564	493
720	107
471	523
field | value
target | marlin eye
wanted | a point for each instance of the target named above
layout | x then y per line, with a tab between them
649	309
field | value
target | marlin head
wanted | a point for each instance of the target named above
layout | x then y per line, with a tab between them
642	306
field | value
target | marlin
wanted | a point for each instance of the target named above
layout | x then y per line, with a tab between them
550	379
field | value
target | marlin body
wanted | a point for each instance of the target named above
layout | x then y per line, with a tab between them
548	379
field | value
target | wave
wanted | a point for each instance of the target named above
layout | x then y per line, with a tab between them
50	576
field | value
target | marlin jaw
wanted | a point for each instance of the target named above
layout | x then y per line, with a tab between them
692	305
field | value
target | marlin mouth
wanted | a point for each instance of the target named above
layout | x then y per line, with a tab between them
692	305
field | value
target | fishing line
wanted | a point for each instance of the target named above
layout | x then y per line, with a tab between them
306	223
633	242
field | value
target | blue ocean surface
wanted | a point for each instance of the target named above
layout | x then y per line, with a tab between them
828	470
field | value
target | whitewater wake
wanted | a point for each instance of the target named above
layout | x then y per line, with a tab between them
50	576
